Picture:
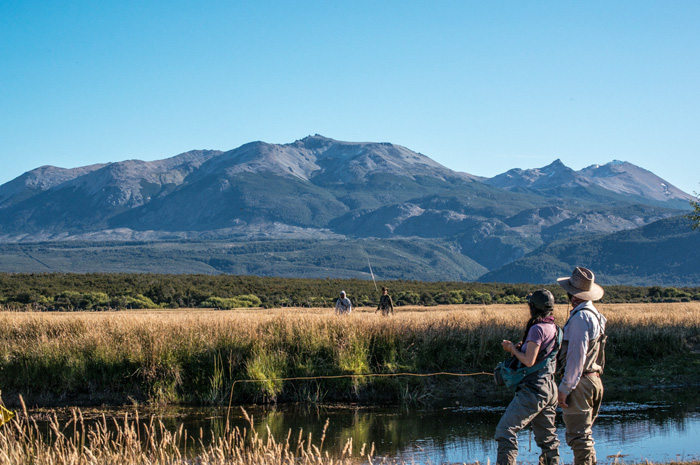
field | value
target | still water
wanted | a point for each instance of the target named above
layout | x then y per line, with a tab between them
659	431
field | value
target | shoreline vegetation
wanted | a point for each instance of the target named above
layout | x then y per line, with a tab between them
127	441
131	440
171	357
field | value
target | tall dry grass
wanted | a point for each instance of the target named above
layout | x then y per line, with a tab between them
194	356
131	442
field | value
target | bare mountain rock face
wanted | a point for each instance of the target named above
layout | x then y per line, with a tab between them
318	188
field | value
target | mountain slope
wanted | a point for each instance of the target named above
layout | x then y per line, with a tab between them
626	178
421	260
39	180
664	253
83	199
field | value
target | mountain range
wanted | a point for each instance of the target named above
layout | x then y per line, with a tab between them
373	201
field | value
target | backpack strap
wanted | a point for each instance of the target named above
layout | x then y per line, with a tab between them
550	355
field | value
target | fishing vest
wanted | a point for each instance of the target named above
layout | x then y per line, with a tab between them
595	355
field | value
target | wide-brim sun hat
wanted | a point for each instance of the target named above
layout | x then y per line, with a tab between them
582	284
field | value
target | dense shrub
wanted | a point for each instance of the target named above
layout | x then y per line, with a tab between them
120	291
241	301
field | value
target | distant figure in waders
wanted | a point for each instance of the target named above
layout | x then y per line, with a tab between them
581	360
386	305
343	306
535	400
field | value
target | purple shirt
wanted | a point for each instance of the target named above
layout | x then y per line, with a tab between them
543	335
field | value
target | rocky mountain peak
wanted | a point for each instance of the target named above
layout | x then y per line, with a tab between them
554	174
555	166
626	178
316	141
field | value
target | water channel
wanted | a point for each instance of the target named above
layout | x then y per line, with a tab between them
626	431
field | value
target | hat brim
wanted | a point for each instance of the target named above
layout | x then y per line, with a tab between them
594	293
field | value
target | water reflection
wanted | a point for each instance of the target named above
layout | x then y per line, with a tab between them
633	431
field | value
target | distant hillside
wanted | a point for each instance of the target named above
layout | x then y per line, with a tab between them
416	259
664	253
317	192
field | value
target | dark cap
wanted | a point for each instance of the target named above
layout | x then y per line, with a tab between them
541	299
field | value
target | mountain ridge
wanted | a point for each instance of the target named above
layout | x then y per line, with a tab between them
618	177
317	188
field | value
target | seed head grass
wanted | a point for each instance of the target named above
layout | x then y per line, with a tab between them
128	441
193	356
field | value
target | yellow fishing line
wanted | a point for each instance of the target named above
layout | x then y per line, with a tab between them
369	375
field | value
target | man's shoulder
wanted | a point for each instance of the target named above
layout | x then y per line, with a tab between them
586	319
591	313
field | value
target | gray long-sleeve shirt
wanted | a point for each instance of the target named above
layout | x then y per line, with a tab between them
343	306
580	329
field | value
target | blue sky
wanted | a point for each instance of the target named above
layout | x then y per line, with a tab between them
480	87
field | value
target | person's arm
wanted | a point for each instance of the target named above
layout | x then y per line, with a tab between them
528	357
391	305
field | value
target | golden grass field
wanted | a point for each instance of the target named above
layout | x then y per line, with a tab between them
136	331
636	313
163	350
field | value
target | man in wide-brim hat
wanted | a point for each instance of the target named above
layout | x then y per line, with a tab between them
581	360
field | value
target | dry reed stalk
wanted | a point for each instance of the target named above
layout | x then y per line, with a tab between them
23	442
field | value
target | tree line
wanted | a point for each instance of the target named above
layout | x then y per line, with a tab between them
110	291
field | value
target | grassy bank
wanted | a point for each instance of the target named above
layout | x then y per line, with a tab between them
194	356
127	442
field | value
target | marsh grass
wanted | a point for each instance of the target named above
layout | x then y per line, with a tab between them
128	441
193	356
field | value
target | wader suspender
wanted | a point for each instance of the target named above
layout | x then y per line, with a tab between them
599	341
